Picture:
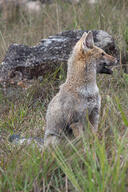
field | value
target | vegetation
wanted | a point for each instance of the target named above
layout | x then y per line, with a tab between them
92	163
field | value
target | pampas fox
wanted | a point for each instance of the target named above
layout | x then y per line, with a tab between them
79	95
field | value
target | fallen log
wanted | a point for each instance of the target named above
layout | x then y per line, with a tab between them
29	62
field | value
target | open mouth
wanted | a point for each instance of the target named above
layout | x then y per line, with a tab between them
106	70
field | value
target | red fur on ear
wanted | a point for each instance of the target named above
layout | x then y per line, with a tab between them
84	36
88	41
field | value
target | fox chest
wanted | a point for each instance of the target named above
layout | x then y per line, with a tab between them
88	104
88	100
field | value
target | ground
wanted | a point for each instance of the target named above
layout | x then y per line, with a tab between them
94	163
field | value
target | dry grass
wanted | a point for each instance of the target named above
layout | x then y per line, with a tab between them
99	163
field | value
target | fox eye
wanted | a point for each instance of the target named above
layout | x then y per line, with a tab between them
102	54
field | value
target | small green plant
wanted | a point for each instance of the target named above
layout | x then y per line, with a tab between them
125	76
126	34
1	97
93	168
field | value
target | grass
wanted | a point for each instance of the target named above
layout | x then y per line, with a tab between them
92	163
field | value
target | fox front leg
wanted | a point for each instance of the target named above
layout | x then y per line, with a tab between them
77	129
51	140
94	119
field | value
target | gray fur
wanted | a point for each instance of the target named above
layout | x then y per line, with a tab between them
78	96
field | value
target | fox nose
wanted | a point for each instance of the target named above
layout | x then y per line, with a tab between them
118	60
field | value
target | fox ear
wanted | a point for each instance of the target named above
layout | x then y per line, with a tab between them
88	42
84	36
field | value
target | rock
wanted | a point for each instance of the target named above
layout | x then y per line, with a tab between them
49	54
93	1
33	6
53	1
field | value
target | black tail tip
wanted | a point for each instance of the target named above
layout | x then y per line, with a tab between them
13	137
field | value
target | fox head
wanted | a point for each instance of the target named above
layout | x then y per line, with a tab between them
87	50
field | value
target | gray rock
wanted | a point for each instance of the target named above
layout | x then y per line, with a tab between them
49	54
